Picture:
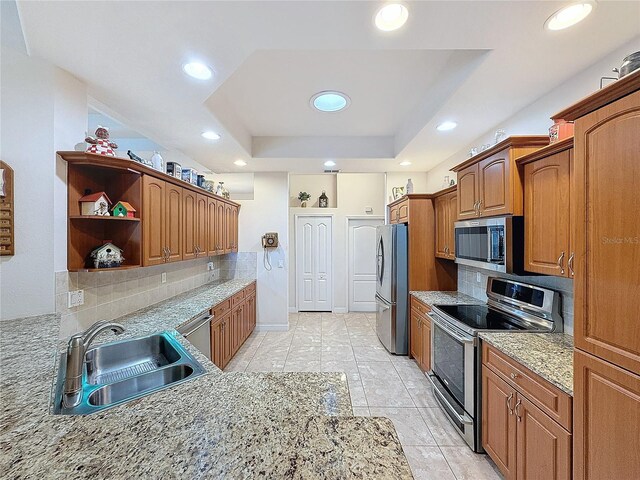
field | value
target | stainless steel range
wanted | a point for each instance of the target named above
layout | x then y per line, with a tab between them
456	356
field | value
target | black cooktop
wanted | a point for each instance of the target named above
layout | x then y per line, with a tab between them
481	317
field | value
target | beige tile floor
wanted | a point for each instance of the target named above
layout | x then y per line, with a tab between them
380	384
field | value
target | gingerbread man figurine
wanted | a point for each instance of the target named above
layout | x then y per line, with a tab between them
101	144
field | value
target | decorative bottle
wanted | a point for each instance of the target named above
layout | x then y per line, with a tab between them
323	201
409	186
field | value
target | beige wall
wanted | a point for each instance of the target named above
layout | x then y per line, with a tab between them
399	179
314	185
355	192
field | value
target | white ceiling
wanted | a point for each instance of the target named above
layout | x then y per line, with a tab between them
476	62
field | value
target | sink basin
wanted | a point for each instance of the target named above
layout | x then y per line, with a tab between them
121	371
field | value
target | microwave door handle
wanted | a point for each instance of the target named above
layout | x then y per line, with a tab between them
489	240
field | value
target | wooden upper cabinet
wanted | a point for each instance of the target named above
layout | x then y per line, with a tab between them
228	225
153	216
490	183
445	206
468	192
607	420
393	214
399	210
173	222
221	227
189	225
202	209
212	222
547	210
607	241
233	228
543	447
499	422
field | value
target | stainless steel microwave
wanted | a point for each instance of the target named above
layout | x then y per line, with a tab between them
491	243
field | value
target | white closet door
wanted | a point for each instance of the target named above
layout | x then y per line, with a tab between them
313	263
362	264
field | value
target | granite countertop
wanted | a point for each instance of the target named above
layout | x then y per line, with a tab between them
445	298
549	355
218	425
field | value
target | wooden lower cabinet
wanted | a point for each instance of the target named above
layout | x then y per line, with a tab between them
420	334
607	420
232	325
523	441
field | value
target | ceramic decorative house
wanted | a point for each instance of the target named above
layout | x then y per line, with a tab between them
106	256
95	204
123	209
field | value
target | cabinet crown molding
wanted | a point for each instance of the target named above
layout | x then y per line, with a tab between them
515	141
551	149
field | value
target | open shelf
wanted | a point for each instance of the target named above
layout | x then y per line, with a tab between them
103	217
122	267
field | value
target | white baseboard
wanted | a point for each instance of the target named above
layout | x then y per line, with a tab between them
272	328
340	310
293	310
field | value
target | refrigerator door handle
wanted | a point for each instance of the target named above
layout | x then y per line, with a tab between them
381	301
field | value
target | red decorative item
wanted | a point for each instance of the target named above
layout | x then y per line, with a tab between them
101	144
560	130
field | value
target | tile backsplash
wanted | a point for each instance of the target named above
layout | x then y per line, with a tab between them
468	283
112	293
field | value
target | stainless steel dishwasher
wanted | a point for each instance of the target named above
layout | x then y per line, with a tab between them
198	332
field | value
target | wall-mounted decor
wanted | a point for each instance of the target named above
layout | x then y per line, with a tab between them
101	144
106	256
7	225
95	204
123	209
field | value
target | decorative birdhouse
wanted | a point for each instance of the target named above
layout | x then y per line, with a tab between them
123	209
95	204
106	256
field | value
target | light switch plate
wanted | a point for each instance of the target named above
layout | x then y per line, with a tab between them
163	278
209	266
478	277
76	298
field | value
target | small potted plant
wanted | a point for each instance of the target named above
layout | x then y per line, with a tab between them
303	197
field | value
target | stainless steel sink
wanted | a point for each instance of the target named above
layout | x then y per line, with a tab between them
118	372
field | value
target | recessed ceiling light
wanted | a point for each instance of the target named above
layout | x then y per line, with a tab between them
444	126
569	15
240	163
197	70
329	163
406	163
330	101
209	135
391	17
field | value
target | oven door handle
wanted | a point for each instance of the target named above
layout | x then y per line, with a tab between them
449	331
464	419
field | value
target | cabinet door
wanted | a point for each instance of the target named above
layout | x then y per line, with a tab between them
403	211
189	200
393	214
237	321
546	214
251	312
173	219
442	225
499	422
607	420
571	261
452	201
212	223
415	336
201	224
495	187
228	225
227	352
543	446
425	323
153	220
468	194
217	344
221	227
607	170
233	229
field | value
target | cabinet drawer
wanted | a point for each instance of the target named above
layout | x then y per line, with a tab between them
250	289
222	307
550	399
238	298
419	306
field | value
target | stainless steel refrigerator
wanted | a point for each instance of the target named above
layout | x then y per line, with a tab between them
392	294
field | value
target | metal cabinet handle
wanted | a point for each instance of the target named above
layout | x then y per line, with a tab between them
479	207
561	262
518	416
570	264
475	207
509	398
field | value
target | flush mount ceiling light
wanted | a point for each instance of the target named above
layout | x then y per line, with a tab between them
405	163
330	101
197	70
329	163
568	16
391	17
445	126
240	163
209	135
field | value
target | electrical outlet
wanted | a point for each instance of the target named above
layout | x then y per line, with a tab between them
478	277
163	278
209	266
76	298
